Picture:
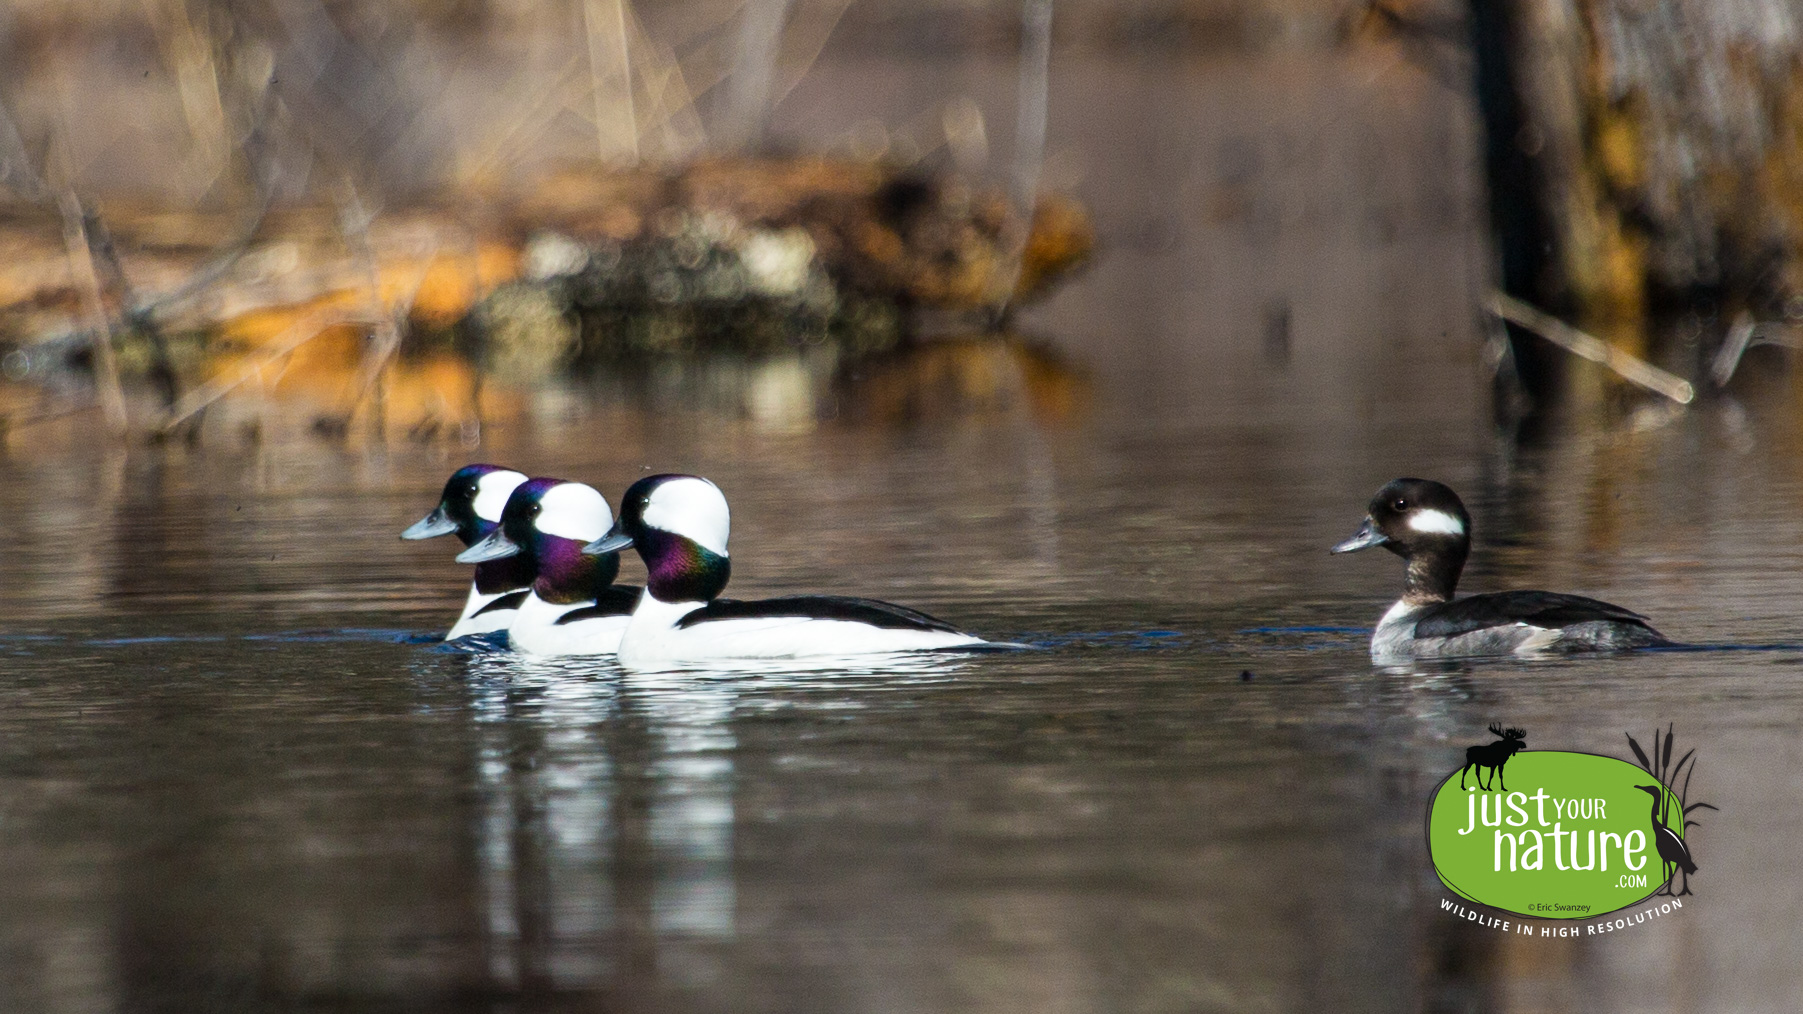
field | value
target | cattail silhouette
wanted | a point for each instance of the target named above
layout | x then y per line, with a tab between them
1674	851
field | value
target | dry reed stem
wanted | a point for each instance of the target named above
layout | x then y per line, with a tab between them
354	221
284	344
111	393
1029	138
670	102
111	272
188	52
1735	345
812	47
522	130
389	327
752	79
609	59
8	424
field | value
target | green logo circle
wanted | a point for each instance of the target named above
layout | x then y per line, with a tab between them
1571	836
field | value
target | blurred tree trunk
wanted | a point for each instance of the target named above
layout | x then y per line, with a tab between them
1645	161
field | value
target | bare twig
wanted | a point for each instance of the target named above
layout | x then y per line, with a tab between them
1745	335
1727	358
111	273
608	59
257	150
533	105
669	101
1633	369
10	423
754	70
291	338
353	222
966	134
811	48
388	322
1029	135
188	52
214	269
390	329
100	325
142	315
16	169
1035	83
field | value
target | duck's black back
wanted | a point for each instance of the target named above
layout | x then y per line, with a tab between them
887	615
1536	608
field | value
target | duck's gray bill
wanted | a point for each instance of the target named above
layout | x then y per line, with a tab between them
496	547
1366	537
612	542
431	526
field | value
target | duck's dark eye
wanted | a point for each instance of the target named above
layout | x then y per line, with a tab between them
1400	505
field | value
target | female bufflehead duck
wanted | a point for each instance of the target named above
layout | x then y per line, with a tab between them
679	525
573	606
470	509
1425	523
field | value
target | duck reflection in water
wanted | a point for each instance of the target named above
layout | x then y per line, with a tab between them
606	827
607	815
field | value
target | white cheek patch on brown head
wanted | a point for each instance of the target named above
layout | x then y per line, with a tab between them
1433	522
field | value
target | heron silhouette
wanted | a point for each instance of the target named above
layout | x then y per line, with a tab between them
1672	850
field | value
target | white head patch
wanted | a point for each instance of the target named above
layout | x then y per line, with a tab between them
1434	522
492	491
571	510
692	508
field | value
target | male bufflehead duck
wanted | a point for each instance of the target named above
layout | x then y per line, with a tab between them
573	607
679	525
470	509
1425	523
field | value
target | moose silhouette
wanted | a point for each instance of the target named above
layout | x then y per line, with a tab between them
1493	756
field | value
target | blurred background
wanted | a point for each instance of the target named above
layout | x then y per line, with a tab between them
1083	323
370	209
400	219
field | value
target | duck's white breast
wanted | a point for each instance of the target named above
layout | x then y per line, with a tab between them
535	630
471	623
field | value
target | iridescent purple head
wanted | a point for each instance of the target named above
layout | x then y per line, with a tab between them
548	521
471	505
679	524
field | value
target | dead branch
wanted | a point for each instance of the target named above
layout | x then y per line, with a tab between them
9	424
257	149
100	325
385	330
388	324
1630	368
1029	138
608	59
284	344
810	48
111	274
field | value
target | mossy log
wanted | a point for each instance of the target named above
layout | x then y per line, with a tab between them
743	256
